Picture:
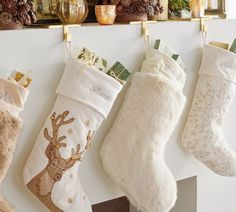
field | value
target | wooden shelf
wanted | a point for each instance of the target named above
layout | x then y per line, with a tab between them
59	26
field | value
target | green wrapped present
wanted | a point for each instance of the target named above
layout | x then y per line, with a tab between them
119	72
233	47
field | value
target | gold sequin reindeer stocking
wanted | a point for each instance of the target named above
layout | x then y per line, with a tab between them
84	99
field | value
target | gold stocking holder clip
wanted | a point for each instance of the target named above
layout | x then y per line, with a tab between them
67	39
66	34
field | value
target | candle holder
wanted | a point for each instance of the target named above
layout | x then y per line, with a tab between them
105	14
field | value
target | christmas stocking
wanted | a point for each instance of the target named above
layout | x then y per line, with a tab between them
12	99
133	150
203	136
84	98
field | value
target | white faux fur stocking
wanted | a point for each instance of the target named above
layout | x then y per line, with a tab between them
84	98
133	150
203	136
12	99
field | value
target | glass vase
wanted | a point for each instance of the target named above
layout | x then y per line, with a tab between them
72	11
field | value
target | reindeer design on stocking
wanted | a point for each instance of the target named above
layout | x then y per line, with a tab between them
42	184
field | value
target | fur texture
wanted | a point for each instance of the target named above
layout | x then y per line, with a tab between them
10	127
133	150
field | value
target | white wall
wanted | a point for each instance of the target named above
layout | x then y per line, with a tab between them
42	51
230	9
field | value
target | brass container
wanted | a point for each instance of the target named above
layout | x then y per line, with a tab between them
197	8
105	14
72	11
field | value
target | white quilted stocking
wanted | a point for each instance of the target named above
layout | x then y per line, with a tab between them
133	150
84	98
203	136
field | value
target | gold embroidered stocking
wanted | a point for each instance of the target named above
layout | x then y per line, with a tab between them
84	98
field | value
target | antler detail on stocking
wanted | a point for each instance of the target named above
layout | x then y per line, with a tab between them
55	142
52	150
78	155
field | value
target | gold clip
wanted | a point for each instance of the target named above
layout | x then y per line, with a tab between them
203	25
204	29
66	34
145	32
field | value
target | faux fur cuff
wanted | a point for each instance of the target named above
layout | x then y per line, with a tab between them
10	127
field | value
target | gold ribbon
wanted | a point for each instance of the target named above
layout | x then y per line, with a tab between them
117	78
